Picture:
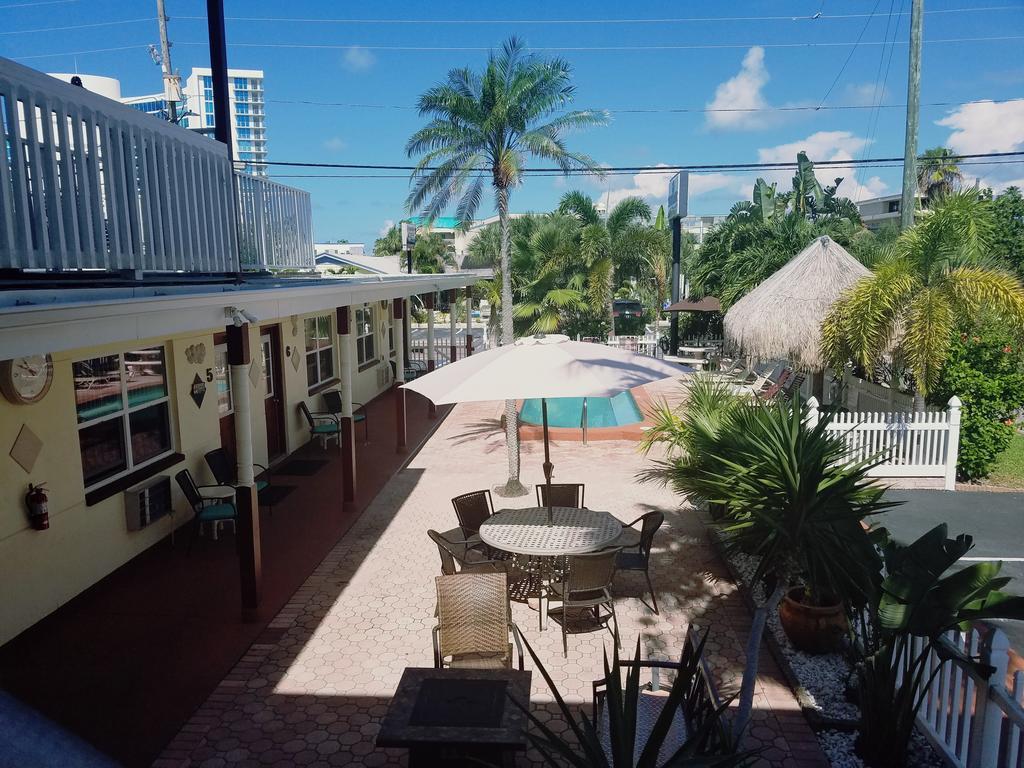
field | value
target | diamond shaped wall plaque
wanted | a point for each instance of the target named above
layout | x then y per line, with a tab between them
26	449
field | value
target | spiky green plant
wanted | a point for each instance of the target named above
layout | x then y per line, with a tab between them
709	744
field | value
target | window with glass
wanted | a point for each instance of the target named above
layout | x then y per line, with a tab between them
242	109
123	413
222	380
365	347
319	350
243	121
241	82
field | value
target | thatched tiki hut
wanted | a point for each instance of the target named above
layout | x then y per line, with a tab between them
781	318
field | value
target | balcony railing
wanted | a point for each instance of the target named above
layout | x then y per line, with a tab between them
87	183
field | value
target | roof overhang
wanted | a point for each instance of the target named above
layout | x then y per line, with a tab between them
57	323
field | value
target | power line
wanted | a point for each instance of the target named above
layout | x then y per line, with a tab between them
849	56
548	49
650	110
668	20
33	5
782	165
76	26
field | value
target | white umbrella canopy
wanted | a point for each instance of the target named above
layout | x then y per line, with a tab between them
542	367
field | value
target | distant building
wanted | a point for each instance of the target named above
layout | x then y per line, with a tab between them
450	230
878	211
104	86
248	112
699	226
332	258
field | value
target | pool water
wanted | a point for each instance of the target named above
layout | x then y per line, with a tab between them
568	411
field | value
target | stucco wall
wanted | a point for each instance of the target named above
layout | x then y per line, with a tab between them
41	570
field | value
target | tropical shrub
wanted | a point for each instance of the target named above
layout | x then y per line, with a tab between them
918	599
985	370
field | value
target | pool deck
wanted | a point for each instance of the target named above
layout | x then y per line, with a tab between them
575	434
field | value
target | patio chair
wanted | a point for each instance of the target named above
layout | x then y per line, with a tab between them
225	471
474	620
458	555
793	384
700	701
587	584
562	495
641	541
333	403
771	389
206	510
322	426
473	509
413	370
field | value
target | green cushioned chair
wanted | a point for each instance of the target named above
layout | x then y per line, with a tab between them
322	426
224	470
333	402
206	510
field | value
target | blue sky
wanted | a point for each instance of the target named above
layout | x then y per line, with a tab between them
753	63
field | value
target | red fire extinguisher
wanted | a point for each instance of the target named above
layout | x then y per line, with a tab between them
38	507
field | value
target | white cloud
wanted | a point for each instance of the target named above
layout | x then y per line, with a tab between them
987	126
825	145
335	144
388	224
742	91
653	186
358	59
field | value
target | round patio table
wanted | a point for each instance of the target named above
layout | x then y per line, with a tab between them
526	532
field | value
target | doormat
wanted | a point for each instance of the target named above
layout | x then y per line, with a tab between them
300	467
273	494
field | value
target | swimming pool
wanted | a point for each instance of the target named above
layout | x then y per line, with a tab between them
568	411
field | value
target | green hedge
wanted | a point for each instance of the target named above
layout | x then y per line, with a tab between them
986	371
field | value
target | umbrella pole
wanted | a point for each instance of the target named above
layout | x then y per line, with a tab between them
548	466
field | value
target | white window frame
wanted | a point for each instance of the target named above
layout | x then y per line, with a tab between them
124	414
319	346
372	322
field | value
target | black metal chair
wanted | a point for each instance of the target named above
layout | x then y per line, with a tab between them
562	495
640	559
225	471
206	510
473	509
333	403
459	556
587	584
322	426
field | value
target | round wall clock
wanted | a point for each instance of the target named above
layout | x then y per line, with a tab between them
25	380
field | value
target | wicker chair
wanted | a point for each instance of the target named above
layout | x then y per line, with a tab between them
459	555
474	620
473	509
640	559
587	584
562	495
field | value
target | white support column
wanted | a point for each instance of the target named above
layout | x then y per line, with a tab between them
347	438
241	400
398	311
469	321
431	352
813	414
953	442
346	357
453	304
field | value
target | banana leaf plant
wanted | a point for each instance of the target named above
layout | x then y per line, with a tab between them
709	742
922	596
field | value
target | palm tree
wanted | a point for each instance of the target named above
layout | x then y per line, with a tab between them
933	279
484	126
937	173
624	245
548	290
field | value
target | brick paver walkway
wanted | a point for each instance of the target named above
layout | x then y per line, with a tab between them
313	689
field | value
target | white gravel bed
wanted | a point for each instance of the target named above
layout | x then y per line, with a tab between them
838	747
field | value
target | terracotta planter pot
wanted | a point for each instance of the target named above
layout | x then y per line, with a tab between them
812	628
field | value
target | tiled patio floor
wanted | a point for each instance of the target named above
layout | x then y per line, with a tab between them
313	688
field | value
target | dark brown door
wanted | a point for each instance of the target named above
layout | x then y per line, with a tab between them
273	395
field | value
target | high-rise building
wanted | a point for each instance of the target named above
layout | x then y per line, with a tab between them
248	113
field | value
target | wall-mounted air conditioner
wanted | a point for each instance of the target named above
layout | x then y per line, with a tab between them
147	502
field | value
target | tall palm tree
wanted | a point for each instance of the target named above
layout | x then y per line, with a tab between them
484	126
548	290
933	279
937	173
625	244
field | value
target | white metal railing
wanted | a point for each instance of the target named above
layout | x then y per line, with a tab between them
87	183
921	444
972	720
275	227
641	345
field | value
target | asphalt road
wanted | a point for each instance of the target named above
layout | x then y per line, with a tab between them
995	520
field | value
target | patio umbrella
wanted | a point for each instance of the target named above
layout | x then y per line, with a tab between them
542	367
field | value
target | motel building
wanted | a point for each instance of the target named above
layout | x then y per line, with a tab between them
142	326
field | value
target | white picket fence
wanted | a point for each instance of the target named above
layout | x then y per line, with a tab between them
972	720
918	445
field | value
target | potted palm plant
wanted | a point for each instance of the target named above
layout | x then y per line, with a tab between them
794	505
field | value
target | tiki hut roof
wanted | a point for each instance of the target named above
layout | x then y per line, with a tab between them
707	304
781	318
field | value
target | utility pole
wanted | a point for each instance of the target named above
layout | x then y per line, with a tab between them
909	199
172	83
